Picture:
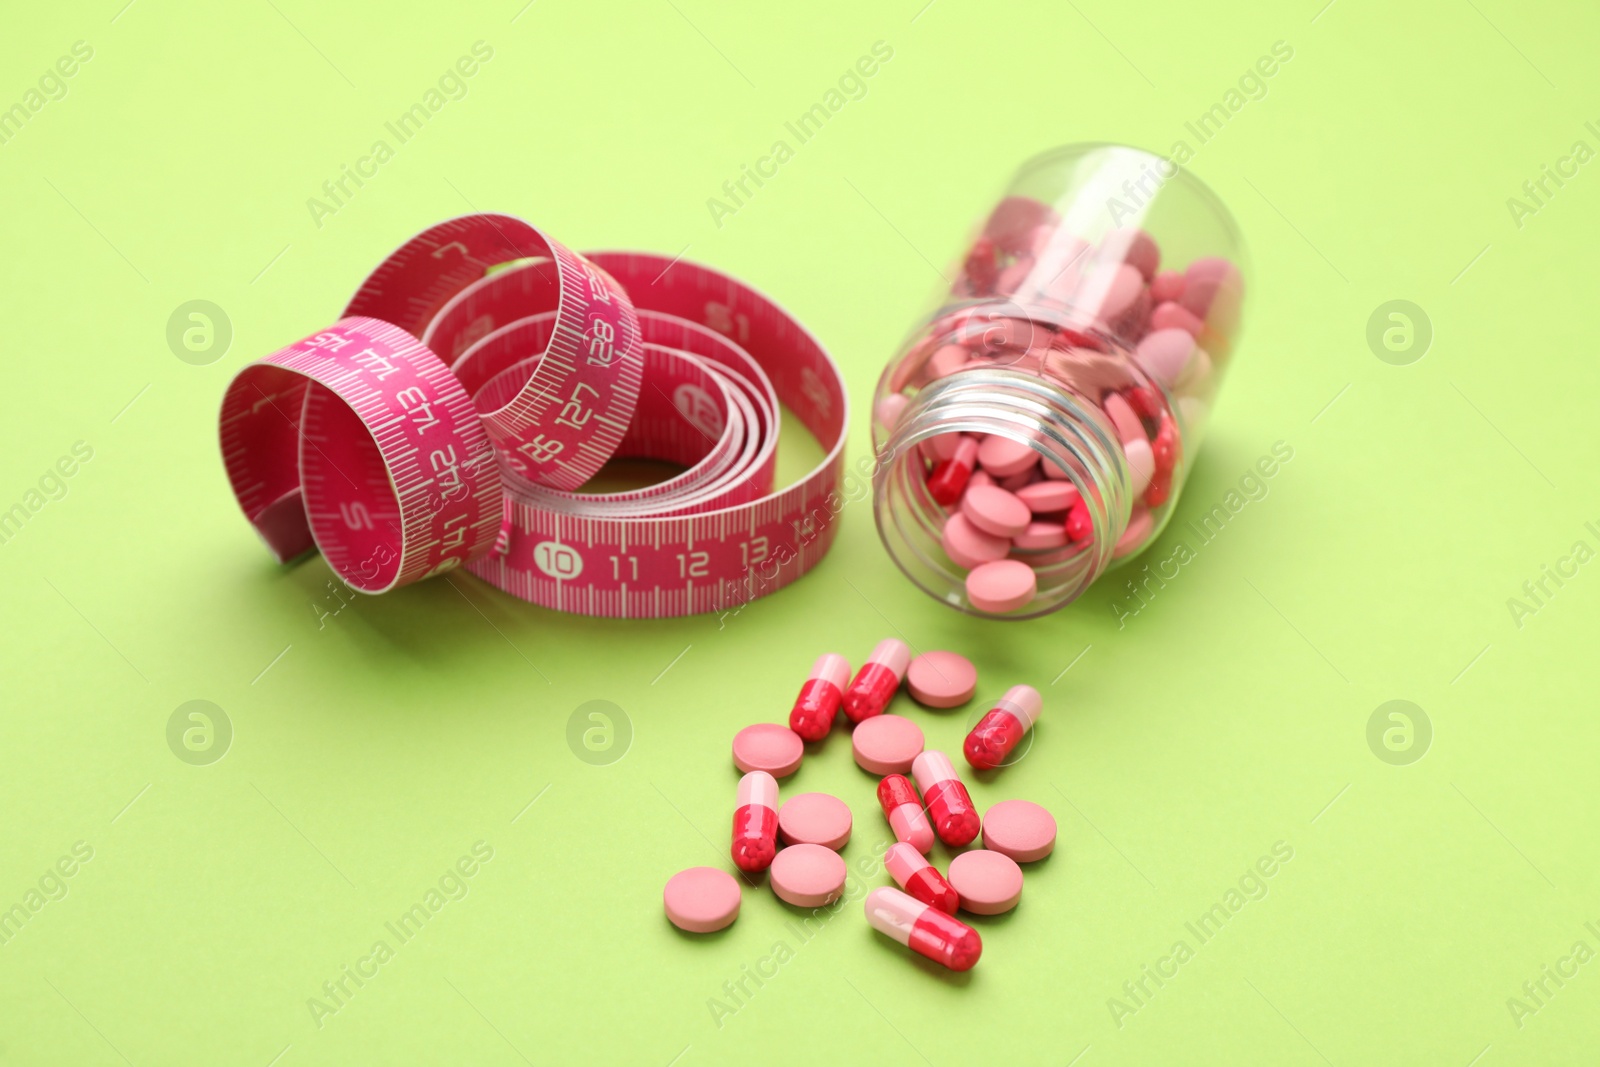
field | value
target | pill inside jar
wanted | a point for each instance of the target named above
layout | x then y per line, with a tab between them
1047	410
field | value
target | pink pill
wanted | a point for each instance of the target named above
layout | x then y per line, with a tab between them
701	900
1164	353
1020	829
1045	497
1002	586
943	446
1053	470
1017	481
768	747
1129	428
815	819
1166	285
995	511
808	876
988	883
886	744
967	546
1135	248
1208	281
1136	534
941	679
980	478
1041	535
890	408
1141	465
1175	316
1003	457
946	361
1118	287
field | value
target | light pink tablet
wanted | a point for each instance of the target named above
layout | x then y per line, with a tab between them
1048	496
1003	457
941	679
1137	533
989	883
967	546
701	899
1020	829
995	510
816	819
941	447
1164	353
808	876
890	408
1141	465
766	746
1129	428
1042	534
1002	586
886	744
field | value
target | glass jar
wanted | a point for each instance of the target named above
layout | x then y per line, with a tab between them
1037	427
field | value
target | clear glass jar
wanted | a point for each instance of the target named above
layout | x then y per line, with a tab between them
1070	366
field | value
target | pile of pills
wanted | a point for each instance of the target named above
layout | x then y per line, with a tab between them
797	840
1136	346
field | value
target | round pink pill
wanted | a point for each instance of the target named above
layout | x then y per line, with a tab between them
1129	428
1164	353
1141	465
1002	586
890	408
701	899
947	360
815	819
969	546
941	447
1135	535
941	679
1048	496
768	747
1020	829
808	876
988	882
886	744
1003	457
995	510
1041	535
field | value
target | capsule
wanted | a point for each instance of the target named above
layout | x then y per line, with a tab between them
921	879
924	929
950	808
875	683
903	809
998	732
948	479
818	702
755	823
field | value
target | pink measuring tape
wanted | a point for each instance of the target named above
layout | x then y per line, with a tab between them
449	417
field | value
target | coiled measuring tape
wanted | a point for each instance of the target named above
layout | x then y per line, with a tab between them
484	372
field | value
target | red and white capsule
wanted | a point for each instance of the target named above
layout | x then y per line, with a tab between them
875	683
903	808
949	805
923	928
948	479
1002	729
755	823
912	872
818	703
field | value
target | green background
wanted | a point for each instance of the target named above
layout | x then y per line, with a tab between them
373	747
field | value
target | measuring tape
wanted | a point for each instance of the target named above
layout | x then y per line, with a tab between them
484	372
